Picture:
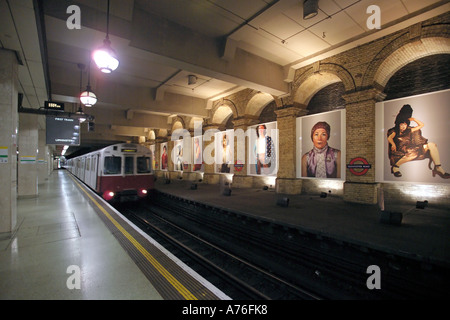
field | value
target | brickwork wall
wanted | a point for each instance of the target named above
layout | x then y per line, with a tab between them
423	75
408	193
286	182
363	72
357	79
327	99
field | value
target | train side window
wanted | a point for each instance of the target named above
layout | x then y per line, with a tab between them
112	165
143	165
129	167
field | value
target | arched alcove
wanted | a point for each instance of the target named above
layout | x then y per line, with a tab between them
257	103
327	99
423	75
312	85
222	114
408	53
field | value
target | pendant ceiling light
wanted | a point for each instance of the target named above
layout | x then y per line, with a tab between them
81	115
105	57
310	8
87	97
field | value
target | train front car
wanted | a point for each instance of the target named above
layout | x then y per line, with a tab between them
125	172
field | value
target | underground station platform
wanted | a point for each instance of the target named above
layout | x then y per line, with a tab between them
69	232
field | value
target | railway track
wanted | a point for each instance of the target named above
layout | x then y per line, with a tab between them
239	278
335	269
292	263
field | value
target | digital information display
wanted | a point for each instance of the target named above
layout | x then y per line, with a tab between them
54	106
63	131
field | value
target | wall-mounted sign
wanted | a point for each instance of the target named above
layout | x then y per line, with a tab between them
3	154
62	131
54	105
27	159
238	165
359	166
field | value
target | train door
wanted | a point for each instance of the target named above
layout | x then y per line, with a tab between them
87	170
94	167
82	168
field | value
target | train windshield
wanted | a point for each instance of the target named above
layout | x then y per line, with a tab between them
129	165
112	165
143	164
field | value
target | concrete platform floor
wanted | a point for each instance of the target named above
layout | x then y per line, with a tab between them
59	229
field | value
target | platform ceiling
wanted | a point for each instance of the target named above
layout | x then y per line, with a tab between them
228	45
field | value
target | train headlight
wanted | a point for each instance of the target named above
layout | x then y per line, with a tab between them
108	195
143	192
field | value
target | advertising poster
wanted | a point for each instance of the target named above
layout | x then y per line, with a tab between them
197	152
263	149
178	155
164	156
321	145
224	151
412	135
152	150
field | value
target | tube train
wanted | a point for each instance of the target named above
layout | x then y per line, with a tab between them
120	172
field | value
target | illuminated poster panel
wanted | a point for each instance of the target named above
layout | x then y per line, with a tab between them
152	150
321	145
197	153
178	155
263	149
164	155
411	132
224	151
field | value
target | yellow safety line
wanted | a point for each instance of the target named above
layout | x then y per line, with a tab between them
166	274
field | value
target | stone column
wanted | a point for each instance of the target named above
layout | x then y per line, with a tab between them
286	122
8	142
158	172
28	151
240	178
210	176
360	142
188	159
42	157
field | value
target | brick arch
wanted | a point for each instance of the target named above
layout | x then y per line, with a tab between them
429	34
151	134
329	68
177	123
345	76
195	121
257	103
313	84
222	111
407	54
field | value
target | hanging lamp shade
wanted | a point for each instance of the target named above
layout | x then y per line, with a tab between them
87	97
105	57
81	115
310	9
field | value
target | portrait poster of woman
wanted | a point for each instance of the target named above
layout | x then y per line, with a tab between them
178	155
224	151
263	149
321	145
164	156
197	152
412	140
